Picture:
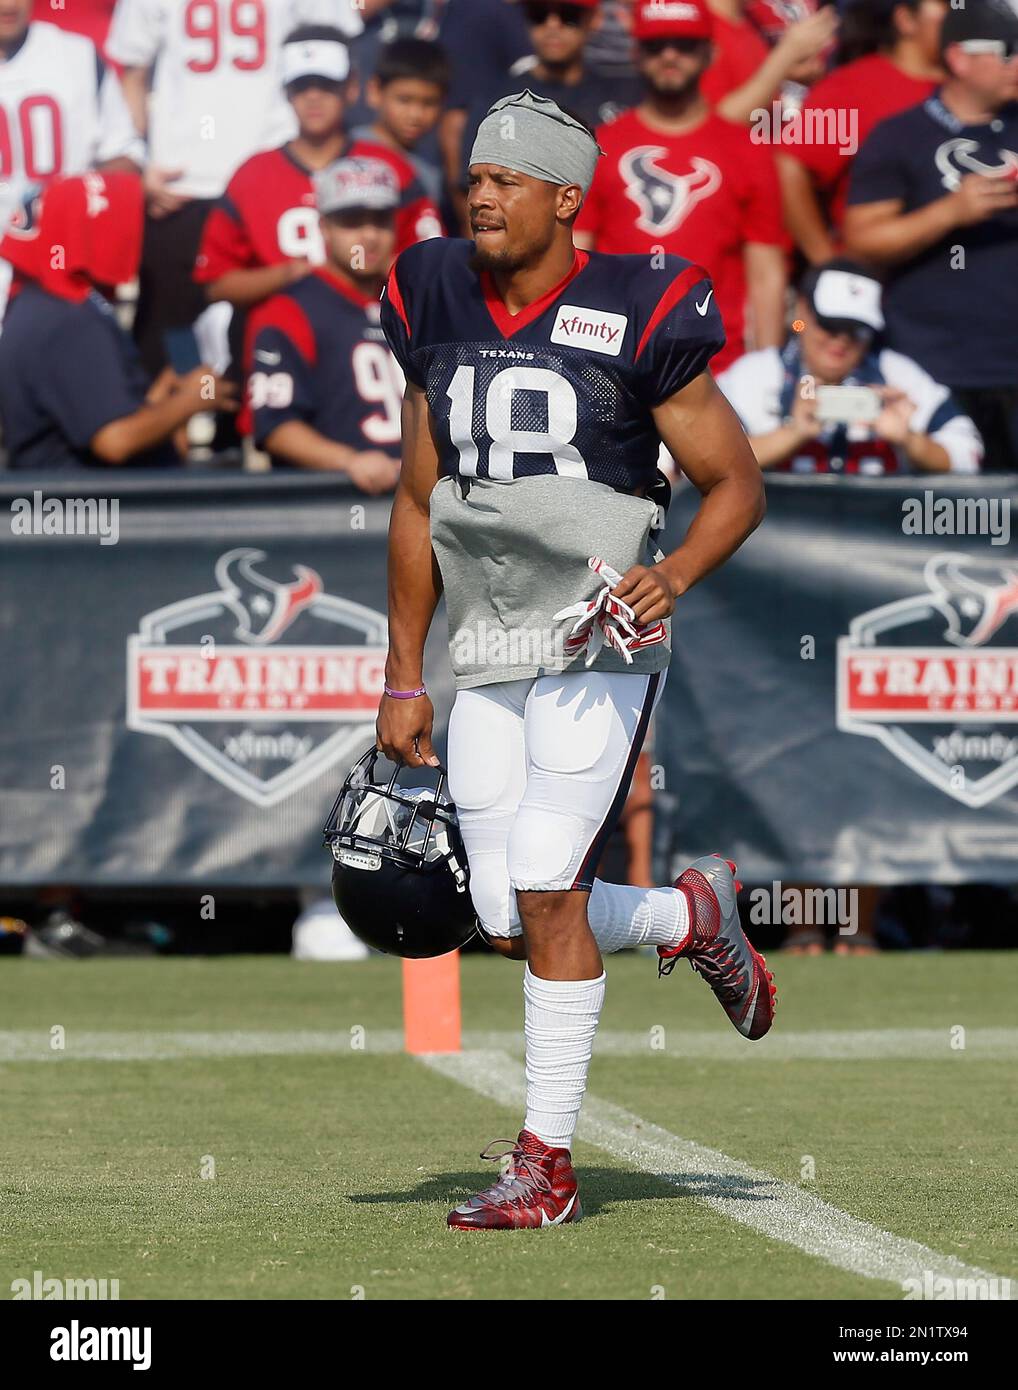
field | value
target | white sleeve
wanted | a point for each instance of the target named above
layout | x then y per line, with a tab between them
118	138
936	411
341	14
136	32
752	385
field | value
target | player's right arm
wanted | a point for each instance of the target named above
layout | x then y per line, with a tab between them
415	585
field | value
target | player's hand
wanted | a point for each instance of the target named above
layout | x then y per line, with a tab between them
403	731
803	419
648	592
980	196
374	472
298	269
892	423
160	200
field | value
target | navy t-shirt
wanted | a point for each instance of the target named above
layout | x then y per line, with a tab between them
66	370
954	307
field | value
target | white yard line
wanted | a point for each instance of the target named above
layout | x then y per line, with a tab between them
917	1044
778	1210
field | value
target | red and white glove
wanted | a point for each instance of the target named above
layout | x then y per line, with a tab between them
607	620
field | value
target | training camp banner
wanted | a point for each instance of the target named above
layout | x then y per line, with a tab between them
193	661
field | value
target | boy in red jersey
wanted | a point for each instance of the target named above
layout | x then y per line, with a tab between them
263	235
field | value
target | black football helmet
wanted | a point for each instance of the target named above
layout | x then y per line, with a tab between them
400	877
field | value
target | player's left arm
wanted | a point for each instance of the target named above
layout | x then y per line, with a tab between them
703	434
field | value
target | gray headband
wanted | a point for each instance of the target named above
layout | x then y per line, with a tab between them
534	136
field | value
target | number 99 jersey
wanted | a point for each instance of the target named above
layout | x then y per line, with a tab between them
566	387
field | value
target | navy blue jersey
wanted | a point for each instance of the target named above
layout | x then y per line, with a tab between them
318	354
958	323
66	369
566	386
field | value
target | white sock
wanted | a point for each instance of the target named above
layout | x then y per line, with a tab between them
560	1020
621	916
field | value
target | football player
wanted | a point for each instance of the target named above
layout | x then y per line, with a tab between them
324	388
541	381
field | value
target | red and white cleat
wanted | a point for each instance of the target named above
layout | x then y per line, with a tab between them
718	949
538	1189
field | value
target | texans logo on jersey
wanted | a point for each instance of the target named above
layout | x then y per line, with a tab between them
956	158
665	199
25	217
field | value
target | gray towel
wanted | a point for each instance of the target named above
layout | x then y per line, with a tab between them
514	553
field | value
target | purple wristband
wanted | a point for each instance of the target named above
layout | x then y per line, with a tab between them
405	694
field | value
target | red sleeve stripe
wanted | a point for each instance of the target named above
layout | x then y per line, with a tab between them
287	317
396	299
679	287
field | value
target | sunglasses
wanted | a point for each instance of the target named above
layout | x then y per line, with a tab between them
311	82
653	48
859	332
539	13
996	48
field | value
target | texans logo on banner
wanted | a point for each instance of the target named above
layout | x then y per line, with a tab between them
934	677
263	683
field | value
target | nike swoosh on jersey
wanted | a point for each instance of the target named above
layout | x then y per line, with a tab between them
271	358
701	309
557	1220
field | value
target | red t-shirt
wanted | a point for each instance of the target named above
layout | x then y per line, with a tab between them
267	214
738	52
868	91
703	195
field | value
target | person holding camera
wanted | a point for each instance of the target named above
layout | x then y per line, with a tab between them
832	400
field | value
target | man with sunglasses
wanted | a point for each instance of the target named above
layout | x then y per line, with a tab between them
677	178
557	69
933	199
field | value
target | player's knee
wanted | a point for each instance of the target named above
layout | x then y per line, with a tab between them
543	849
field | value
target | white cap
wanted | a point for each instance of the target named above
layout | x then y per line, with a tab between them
848	298
315	58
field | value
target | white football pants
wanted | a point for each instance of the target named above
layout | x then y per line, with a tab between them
540	770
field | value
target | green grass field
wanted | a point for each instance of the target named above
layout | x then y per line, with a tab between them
334	1168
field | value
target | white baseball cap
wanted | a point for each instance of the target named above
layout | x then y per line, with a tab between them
840	296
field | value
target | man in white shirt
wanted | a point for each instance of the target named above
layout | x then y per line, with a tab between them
833	401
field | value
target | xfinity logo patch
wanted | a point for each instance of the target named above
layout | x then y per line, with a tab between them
590	328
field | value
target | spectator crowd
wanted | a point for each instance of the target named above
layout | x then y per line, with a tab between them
202	199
